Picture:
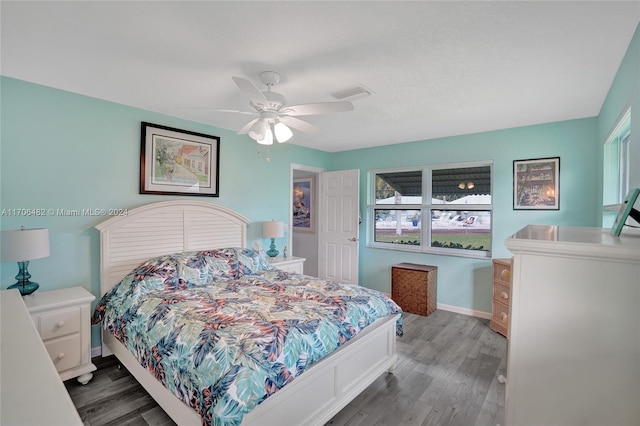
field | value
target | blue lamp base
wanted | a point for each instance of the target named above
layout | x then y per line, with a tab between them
272	252
24	285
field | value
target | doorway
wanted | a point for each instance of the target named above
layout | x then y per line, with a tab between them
303	240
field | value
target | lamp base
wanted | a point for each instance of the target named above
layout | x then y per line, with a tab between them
272	252
25	288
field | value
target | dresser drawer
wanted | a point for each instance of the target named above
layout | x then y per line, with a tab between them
501	313
58	323
502	273
65	352
501	292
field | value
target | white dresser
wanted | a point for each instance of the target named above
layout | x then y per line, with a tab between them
574	335
289	264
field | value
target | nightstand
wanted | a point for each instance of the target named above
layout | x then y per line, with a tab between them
501	296
63	319
288	264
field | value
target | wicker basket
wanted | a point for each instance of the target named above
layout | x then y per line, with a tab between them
414	287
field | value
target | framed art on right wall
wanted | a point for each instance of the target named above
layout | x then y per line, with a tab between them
626	210
536	184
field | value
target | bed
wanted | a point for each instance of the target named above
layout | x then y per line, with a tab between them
200	233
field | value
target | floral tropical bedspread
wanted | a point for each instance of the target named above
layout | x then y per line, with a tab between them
223	330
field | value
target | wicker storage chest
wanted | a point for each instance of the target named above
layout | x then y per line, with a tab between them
414	287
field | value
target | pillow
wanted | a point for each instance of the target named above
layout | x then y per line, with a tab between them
182	270
202	266
250	262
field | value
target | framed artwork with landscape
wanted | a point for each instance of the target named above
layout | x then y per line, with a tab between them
303	205
178	162
536	184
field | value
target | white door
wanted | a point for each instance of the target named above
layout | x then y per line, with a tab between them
338	226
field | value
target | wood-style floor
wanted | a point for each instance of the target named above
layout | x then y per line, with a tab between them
447	374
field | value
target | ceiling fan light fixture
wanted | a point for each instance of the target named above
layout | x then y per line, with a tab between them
282	132
268	138
259	130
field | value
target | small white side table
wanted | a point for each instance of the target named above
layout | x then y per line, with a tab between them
288	264
63	319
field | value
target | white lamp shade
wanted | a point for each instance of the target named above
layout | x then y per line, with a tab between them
20	245
259	130
273	229
268	138
283	133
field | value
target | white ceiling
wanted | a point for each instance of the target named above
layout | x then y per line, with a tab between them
436	68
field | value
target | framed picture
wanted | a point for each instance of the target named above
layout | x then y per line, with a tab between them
626	210
178	162
536	184
303	204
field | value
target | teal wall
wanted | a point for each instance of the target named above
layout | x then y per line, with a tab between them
65	151
464	282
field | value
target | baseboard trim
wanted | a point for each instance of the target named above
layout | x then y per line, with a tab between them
97	351
465	311
459	310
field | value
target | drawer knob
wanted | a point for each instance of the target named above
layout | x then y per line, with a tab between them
504	316
505	274
504	295
60	355
60	324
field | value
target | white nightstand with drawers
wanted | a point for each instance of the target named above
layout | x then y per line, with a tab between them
63	319
288	264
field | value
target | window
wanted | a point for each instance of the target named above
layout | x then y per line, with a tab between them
616	161
455	200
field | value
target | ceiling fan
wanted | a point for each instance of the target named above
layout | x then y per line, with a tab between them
275	117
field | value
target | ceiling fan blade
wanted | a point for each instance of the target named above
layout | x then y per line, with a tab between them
317	108
250	89
298	124
247	127
234	111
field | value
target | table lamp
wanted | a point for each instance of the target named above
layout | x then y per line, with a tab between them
273	229
23	245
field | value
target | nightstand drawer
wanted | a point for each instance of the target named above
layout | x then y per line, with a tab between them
501	292
501	313
65	352
288	264
502	273
58	323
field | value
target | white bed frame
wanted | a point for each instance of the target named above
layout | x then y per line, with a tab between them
175	226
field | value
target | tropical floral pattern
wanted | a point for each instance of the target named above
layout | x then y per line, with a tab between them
223	330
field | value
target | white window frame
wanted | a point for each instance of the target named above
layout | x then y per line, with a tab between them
425	210
616	148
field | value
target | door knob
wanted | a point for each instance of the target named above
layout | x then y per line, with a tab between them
353	239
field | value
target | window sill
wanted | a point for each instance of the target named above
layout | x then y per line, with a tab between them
437	251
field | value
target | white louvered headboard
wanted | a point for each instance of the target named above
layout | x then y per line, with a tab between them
164	228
